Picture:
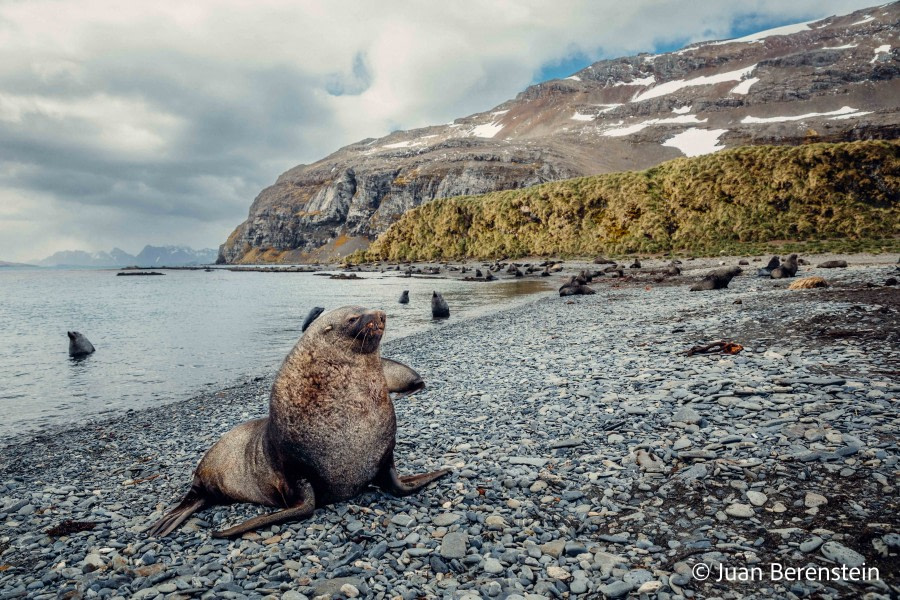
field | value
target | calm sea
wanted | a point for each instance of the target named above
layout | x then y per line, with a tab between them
161	339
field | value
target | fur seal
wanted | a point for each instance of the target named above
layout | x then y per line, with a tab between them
78	344
717	280
833	264
766	271
439	307
787	269
404	297
574	287
312	316
330	432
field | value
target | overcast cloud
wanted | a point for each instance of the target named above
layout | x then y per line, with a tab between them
128	123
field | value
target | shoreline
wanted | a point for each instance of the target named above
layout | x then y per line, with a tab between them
589	453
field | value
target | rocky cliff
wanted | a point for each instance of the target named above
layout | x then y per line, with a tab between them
831	80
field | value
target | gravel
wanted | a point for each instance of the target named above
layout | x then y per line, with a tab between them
590	456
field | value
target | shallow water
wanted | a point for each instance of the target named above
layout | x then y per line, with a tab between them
160	339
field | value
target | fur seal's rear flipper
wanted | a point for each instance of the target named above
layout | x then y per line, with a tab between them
396	485
191	503
305	508
400	378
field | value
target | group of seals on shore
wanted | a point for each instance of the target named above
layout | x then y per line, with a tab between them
780	270
330	432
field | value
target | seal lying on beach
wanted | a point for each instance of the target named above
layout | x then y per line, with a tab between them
330	432
575	287
78	344
766	271
717	280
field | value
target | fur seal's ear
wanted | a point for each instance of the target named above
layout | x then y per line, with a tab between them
327	328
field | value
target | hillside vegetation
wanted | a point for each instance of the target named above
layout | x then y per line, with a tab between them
744	196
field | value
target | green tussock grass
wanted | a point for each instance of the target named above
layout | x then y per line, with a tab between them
812	198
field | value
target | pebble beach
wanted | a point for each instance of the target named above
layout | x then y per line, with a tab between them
591	457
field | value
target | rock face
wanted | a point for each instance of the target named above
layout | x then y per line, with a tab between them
831	80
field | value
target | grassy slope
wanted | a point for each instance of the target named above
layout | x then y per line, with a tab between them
732	200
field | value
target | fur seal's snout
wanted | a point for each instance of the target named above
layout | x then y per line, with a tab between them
366	329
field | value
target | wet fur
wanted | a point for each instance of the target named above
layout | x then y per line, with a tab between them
330	432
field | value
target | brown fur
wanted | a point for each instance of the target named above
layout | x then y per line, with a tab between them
330	432
808	283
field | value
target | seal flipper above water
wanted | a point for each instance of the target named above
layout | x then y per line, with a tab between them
400	378
78	344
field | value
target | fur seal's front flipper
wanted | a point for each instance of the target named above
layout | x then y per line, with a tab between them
191	503
305	508
396	485
400	378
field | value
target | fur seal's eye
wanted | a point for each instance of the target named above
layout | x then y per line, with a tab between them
352	320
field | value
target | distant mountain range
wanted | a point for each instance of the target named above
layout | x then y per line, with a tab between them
150	256
832	80
13	265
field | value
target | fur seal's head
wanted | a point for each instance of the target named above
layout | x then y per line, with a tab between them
361	327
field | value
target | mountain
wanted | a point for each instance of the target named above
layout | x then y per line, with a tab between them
13	265
843	195
80	258
150	256
174	256
831	80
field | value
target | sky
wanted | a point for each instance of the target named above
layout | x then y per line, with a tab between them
132	123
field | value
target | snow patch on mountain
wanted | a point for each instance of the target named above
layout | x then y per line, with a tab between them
695	141
881	50
488	130
648	80
844	112
744	86
635	127
673	86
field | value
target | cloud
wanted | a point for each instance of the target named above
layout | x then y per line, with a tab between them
133	123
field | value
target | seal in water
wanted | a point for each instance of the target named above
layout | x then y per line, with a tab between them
787	269
404	297
330	432
439	308
78	344
766	271
312	316
717	280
